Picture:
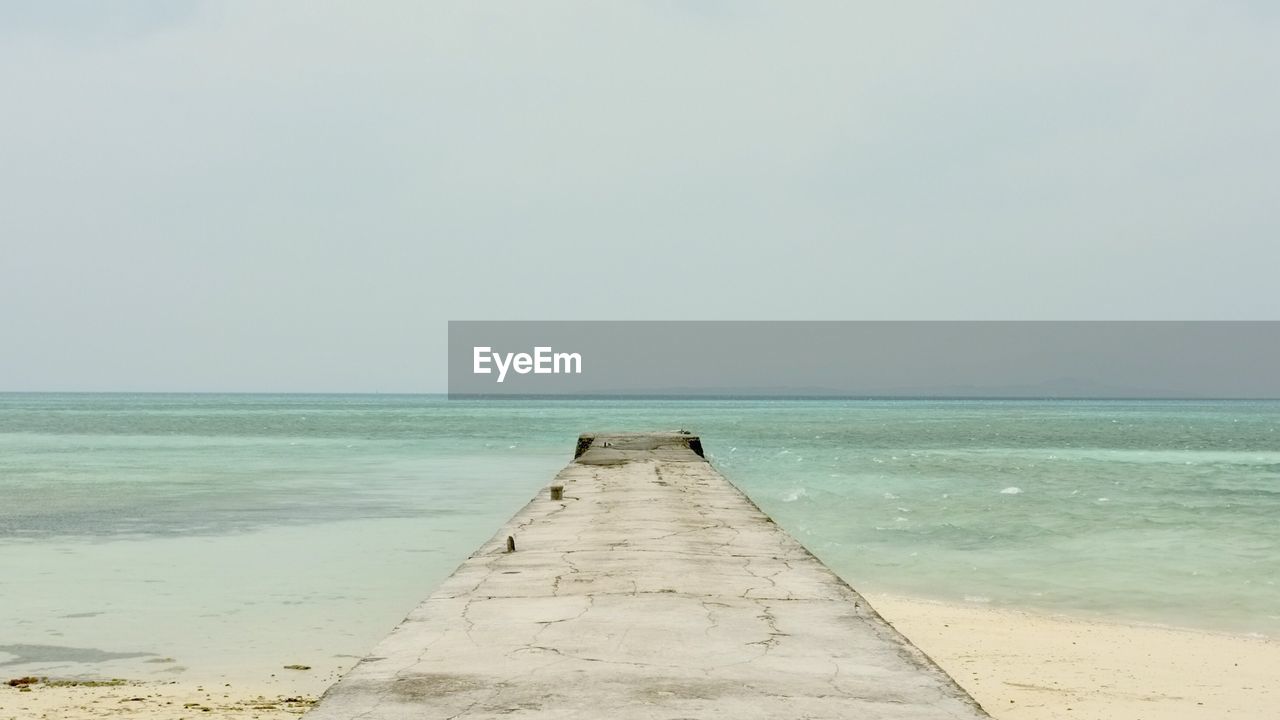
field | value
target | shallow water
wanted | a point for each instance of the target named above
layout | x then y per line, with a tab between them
192	536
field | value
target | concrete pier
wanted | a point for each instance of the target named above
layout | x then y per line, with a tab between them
652	589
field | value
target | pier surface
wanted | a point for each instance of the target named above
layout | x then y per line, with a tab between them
652	589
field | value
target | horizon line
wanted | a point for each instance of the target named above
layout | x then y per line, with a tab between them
654	396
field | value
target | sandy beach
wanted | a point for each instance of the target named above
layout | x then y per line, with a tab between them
1018	665
1023	666
147	700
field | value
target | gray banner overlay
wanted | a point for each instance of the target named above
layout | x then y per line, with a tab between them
866	359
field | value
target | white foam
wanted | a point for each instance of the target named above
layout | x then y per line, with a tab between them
1011	491
794	495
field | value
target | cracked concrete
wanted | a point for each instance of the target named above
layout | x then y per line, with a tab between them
654	589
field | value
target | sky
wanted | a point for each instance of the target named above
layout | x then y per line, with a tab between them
298	195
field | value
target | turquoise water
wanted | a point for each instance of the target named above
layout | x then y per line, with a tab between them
199	535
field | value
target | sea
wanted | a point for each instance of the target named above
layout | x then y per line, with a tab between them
201	537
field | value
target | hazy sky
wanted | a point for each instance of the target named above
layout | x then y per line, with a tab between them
298	195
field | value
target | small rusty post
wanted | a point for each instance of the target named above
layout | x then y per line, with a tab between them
511	543
557	492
